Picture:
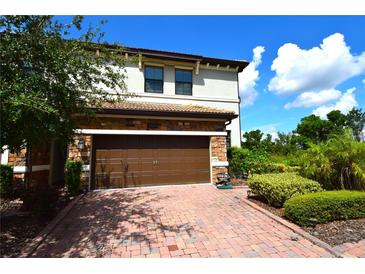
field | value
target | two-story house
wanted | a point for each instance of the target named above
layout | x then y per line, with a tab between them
175	131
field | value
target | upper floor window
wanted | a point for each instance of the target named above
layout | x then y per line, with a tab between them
183	82
153	79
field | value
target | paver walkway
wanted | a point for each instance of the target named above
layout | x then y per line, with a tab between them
174	221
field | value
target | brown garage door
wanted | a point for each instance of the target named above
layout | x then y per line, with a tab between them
131	161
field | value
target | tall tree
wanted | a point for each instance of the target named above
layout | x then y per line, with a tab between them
47	78
252	139
355	119
313	128
337	121
267	143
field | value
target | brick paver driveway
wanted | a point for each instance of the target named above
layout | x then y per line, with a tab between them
174	221
352	249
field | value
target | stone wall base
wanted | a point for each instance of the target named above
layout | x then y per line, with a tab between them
218	146
216	170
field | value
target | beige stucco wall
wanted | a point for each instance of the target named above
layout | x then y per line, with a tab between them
213	88
209	83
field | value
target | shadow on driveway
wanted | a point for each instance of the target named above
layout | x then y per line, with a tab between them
106	218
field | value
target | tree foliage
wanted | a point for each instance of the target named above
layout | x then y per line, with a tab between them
355	119
46	78
336	121
252	139
313	128
284	144
338	163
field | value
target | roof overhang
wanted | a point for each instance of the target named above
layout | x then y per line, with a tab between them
207	62
116	111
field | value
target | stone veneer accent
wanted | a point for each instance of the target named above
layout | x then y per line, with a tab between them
150	124
218	153
81	155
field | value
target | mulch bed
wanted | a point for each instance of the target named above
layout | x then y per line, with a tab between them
238	182
19	227
261	202
339	232
16	232
334	233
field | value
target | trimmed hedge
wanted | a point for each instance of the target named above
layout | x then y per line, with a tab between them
73	176
276	188
6	180
317	208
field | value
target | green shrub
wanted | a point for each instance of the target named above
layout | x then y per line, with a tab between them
242	161
6	180
236	158
73	176
292	169
277	188
259	162
337	164
292	159
326	206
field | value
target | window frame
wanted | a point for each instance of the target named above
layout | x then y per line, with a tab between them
191	90
145	78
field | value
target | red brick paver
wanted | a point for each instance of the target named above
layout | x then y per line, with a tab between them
175	221
352	249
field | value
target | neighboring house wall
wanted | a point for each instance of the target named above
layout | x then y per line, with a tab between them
40	163
211	87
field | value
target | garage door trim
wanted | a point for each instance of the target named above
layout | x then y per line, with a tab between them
150	132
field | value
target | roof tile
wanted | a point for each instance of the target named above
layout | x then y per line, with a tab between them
163	107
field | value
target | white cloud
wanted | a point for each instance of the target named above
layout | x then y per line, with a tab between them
248	78
311	99
363	81
273	132
316	69
344	104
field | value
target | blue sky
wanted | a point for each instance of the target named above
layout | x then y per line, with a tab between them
328	72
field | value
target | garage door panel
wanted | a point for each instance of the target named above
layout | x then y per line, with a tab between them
202	175
115	155
146	178
130	161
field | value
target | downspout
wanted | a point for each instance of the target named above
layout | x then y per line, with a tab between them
239	108
228	123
